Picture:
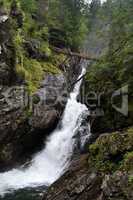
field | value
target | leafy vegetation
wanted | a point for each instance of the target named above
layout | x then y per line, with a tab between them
36	25
69	17
114	69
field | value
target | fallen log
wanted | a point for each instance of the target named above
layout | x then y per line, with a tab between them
79	79
70	53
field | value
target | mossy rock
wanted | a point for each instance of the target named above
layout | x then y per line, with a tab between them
112	151
36	99
127	164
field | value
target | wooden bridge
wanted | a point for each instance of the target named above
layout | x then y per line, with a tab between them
72	54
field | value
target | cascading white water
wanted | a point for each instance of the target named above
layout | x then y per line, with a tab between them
48	165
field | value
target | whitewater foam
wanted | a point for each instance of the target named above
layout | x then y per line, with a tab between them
49	164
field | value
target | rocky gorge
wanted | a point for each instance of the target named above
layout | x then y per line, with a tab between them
25	120
52	123
104	173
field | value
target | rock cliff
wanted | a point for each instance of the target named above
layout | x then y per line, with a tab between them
105	173
25	118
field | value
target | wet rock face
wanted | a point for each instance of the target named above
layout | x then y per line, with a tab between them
12	115
11	107
73	70
11	94
81	183
25	121
77	184
82	134
52	99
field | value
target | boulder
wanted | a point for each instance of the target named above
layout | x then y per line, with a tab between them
26	121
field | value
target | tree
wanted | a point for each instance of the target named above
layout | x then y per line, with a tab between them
28	5
67	16
94	7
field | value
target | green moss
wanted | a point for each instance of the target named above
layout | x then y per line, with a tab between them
31	70
29	6
43	33
28	112
34	71
6	4
35	99
18	40
44	48
127	164
29	26
49	67
130	180
112	151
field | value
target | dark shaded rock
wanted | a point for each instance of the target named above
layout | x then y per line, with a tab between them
11	116
117	186
82	134
7	51
73	71
32	47
53	97
24	124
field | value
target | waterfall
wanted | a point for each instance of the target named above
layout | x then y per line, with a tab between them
48	165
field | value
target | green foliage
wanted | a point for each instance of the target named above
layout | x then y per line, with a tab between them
6	4
127	164
28	6
130	179
31	70
113	151
68	17
31	24
44	48
114	70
